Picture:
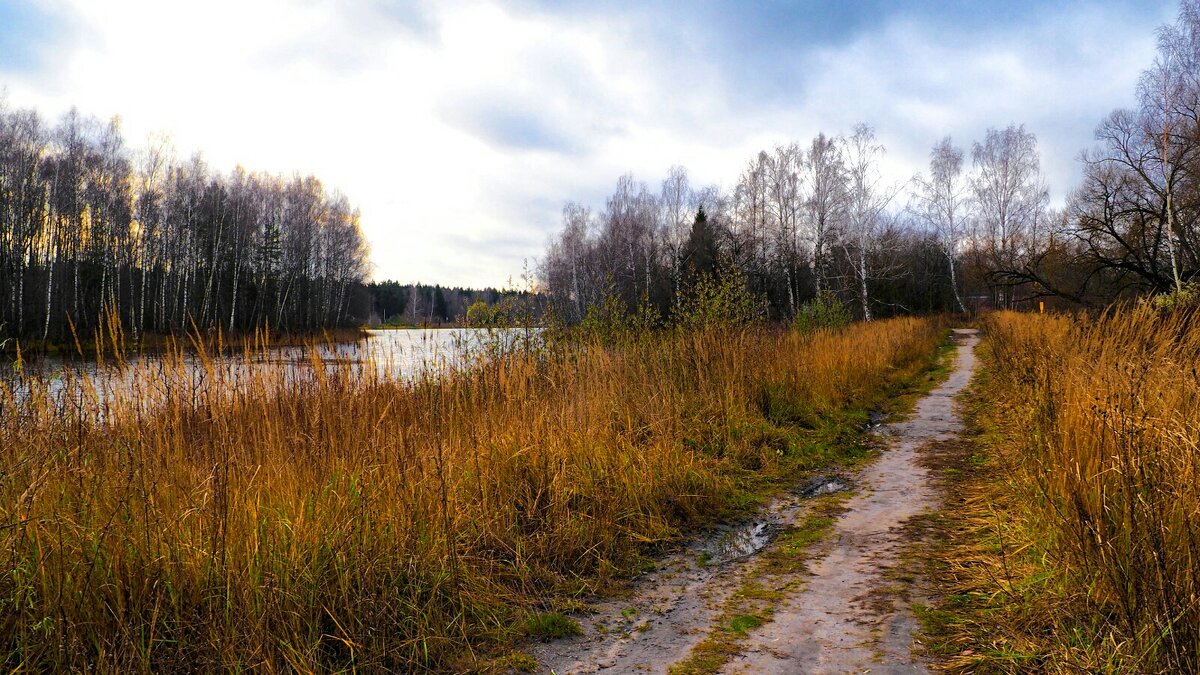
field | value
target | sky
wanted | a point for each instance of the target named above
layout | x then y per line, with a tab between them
460	127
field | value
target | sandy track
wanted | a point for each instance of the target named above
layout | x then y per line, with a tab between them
670	610
839	623
841	620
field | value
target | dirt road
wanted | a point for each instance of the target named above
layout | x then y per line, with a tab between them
844	616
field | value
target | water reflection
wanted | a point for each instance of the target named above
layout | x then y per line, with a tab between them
152	379
734	542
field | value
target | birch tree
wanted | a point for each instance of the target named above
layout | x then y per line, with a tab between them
825	174
675	206
867	199
940	203
785	207
1009	199
1169	97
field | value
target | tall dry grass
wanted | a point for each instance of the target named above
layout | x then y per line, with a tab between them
1103	426
205	519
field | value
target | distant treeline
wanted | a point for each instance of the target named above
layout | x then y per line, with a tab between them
973	231
89	226
801	219
393	303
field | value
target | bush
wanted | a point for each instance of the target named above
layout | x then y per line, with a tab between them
1183	299
611	321
722	300
479	315
823	311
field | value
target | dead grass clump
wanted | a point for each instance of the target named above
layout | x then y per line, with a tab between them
1082	538
204	515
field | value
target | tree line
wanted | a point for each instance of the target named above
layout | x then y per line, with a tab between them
806	219
89	226
973	230
397	304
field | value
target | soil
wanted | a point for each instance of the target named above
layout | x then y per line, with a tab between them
847	614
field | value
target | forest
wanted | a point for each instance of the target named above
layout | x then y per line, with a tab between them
90	227
397	304
973	231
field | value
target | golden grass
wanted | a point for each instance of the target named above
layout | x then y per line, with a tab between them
193	519
1075	544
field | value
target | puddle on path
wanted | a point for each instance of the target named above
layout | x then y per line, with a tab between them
733	543
827	484
875	420
668	611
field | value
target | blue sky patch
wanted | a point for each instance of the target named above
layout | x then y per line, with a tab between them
25	32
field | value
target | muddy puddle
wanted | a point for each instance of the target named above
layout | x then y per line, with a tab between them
825	485
731	542
739	542
668	611
875	420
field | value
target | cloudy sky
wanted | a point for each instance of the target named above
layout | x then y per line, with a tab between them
459	127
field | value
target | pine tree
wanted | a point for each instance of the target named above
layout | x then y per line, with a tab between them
700	253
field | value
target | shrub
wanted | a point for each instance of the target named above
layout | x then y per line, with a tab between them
823	311
723	300
479	315
612	322
1183	299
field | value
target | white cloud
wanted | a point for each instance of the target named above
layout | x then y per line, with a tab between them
460	133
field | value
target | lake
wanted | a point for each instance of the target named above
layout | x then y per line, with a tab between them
402	354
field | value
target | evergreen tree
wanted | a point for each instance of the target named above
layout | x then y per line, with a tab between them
701	252
439	305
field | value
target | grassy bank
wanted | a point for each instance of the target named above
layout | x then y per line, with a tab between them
1073	544
353	521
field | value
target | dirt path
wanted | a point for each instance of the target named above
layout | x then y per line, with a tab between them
844	618
671	609
840	622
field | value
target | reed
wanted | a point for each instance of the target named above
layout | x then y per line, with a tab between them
1096	425
204	513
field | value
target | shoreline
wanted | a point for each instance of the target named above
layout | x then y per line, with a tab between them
96	347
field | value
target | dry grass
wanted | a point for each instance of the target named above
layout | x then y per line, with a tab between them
1075	542
194	519
110	339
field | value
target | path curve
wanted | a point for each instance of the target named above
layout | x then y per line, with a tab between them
840	620
839	623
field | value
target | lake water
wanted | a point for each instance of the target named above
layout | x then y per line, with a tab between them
384	354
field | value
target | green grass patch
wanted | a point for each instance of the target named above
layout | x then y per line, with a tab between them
744	623
516	661
551	626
